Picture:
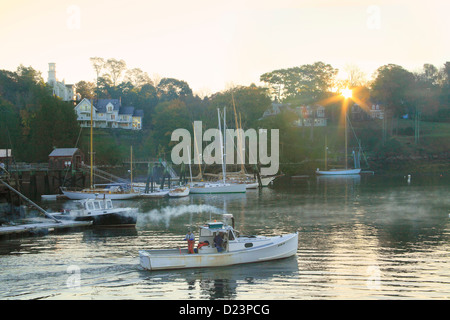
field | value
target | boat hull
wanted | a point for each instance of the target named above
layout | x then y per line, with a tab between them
111	220
227	188
279	248
80	195
179	193
155	194
339	172
252	185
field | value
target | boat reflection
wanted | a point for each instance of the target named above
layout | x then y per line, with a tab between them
224	282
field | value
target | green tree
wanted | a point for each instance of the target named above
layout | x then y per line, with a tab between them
171	89
393	87
86	89
303	84
169	115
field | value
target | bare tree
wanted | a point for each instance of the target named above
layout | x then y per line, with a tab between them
137	77
116	69
97	64
156	79
355	77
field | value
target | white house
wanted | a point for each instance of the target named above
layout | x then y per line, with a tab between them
108	113
307	115
65	91
375	111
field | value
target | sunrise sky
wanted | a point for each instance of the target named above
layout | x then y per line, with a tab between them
211	44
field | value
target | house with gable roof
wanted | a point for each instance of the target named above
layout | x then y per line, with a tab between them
109	113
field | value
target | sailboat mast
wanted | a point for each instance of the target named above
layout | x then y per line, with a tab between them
190	169
131	167
224	144
345	125
326	153
92	150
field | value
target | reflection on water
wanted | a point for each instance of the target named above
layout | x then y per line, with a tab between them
362	237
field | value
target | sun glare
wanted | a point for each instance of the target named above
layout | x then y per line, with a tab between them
346	93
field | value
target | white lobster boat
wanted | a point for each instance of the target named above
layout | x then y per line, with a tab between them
236	249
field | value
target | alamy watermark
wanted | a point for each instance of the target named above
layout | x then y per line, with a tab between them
74	19
74	280
374	17
373	281
233	152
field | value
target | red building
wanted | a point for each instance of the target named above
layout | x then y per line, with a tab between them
63	158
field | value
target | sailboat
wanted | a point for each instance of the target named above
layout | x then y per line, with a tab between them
114	192
346	171
223	186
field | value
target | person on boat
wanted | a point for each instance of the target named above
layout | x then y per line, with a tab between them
190	238
218	242
201	244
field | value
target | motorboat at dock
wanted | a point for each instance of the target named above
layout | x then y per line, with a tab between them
101	212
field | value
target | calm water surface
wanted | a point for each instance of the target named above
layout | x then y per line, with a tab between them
369	237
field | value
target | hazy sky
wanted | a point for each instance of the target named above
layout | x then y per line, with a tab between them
211	44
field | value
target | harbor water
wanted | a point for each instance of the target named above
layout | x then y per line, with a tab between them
361	237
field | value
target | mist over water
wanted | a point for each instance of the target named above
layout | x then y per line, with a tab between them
368	237
166	214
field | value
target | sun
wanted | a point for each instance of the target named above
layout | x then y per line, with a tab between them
346	93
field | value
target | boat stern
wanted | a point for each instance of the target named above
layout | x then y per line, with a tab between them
144	260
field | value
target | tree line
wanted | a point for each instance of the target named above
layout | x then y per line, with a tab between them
34	121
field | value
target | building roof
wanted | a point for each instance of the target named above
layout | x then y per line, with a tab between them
138	113
63	152
100	104
126	110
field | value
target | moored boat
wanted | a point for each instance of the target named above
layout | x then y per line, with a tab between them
235	249
182	191
101	212
216	187
338	171
114	193
155	194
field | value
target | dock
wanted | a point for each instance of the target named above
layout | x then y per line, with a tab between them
47	225
44	227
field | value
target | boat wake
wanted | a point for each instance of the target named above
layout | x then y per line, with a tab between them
168	213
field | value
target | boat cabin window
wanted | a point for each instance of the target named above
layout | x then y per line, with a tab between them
108	204
230	235
90	205
96	205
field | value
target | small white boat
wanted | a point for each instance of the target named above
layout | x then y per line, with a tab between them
338	171
179	192
236	249
217	187
155	194
252	185
101	212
